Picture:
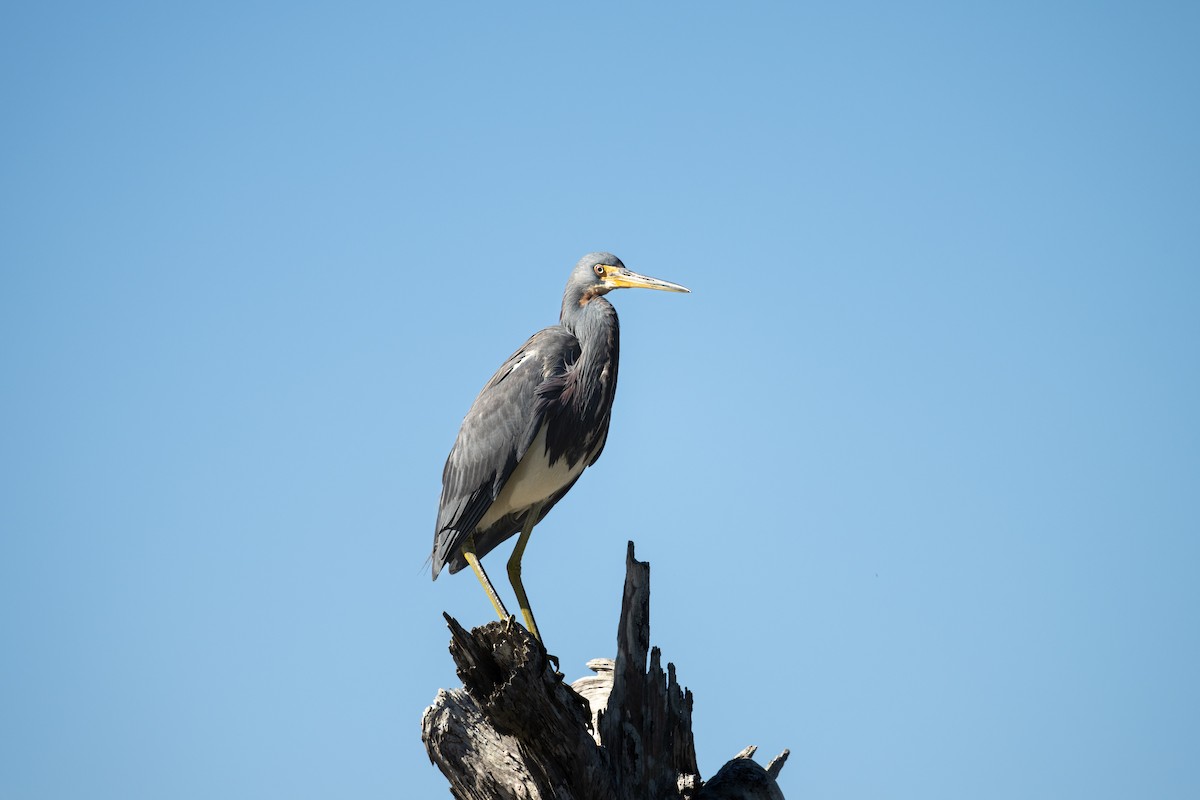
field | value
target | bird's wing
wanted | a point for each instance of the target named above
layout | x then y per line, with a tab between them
495	434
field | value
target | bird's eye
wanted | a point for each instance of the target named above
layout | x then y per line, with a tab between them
599	270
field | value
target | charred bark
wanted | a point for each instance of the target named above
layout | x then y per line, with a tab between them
516	731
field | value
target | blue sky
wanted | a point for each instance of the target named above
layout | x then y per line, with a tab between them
916	465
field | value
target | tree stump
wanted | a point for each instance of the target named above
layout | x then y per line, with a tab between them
516	731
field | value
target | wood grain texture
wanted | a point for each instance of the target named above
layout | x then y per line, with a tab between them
516	731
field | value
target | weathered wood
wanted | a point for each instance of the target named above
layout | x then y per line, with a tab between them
741	779
647	724
596	689
515	731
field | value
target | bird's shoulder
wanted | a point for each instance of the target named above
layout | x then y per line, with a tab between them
499	428
543	356
507	413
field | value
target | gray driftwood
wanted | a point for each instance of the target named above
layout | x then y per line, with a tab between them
516	731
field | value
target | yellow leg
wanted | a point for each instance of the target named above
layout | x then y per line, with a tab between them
514	570
468	551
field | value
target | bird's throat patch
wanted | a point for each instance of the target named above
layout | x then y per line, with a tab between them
591	293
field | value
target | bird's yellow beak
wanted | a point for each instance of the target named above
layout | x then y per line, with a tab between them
621	278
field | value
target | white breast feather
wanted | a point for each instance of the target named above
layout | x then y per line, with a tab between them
533	481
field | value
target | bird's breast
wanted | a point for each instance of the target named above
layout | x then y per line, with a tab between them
533	481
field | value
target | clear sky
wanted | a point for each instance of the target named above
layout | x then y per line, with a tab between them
917	464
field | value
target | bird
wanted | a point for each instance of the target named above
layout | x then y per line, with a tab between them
534	428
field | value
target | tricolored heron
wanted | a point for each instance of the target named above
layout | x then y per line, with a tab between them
536	425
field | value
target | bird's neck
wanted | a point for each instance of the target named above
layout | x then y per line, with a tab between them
595	326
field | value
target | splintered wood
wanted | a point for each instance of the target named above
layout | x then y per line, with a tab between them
516	731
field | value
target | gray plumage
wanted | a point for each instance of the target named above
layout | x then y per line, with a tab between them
539	422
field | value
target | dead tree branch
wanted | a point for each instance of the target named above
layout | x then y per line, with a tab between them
516	731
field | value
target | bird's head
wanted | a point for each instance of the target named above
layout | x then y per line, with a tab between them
598	274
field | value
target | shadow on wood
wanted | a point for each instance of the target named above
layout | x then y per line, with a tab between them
516	731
